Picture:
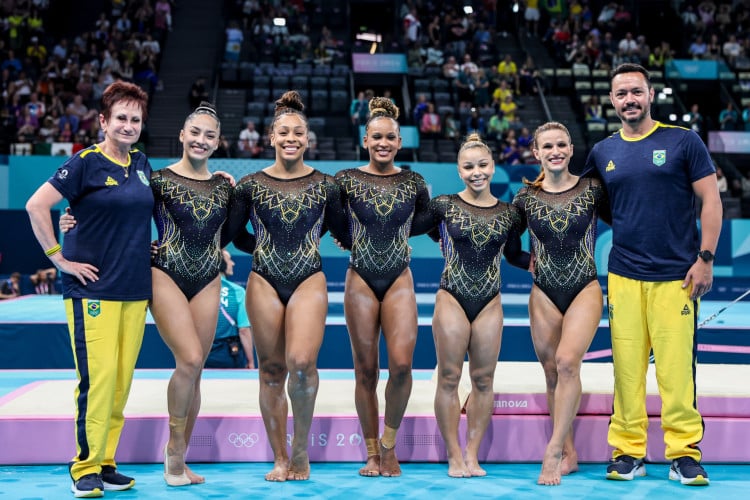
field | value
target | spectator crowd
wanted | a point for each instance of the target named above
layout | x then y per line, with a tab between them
51	85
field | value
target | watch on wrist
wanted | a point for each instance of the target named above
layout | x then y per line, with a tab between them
706	255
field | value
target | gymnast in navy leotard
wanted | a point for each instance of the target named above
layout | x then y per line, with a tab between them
473	240
565	303
191	206
287	216
381	201
562	226
475	229
189	215
290	205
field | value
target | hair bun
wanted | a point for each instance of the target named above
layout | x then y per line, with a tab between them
206	107
383	106
290	100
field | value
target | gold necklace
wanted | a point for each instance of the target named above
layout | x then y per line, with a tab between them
113	158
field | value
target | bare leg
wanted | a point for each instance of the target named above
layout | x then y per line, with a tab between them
572	336
451	331
484	350
188	330
192	416
362	311
579	327
205	313
305	325
267	313
546	327
399	322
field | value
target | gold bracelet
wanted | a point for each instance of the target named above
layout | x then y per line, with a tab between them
52	251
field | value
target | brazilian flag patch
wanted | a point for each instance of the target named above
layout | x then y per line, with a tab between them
94	308
659	157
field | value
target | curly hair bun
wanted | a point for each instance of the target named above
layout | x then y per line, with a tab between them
291	100
383	106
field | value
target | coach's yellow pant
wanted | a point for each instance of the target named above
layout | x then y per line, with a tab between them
106	337
660	316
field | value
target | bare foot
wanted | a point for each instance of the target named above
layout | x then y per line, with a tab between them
194	478
474	469
299	467
280	471
389	466
550	475
372	467
298	475
569	463
457	468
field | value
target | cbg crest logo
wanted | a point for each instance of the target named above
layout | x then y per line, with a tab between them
243	439
659	157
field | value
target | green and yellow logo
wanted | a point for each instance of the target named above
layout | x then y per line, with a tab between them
143	178
659	157
93	308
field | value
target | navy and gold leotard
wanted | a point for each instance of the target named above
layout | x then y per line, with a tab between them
563	234
288	217
380	209
189	215
473	240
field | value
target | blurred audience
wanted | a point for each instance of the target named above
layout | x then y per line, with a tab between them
11	287
52	84
248	142
429	125
44	280
593	111
728	118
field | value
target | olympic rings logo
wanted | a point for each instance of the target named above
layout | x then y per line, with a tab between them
243	439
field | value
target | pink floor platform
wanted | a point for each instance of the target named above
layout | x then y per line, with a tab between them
36	419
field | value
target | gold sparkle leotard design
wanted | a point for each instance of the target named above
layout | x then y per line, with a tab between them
563	234
380	210
473	240
189	216
288	217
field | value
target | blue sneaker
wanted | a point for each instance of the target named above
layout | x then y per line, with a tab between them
625	468
688	471
114	481
88	486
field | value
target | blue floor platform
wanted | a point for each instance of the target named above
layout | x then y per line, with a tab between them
339	481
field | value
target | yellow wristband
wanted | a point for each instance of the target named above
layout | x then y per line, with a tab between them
52	251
